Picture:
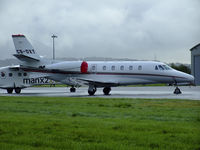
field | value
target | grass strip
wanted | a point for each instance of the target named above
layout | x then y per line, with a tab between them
49	123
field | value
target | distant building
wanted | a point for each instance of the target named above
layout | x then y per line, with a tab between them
195	63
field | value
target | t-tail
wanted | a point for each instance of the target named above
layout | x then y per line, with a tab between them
24	49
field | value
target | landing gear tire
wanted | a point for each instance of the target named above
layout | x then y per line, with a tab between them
10	90
72	90
106	90
177	91
91	91
17	90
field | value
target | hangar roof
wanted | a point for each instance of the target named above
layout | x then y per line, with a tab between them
195	47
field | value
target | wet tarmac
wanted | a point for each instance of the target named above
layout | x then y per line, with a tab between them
192	93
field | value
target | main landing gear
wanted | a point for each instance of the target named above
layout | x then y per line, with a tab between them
106	90
177	91
91	90
17	90
10	90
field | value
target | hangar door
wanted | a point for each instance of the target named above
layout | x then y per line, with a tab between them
197	69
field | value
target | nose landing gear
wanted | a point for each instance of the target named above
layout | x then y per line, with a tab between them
72	89
177	91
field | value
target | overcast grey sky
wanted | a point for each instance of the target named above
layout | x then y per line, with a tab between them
135	29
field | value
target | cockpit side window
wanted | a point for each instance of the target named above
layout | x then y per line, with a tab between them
166	67
161	67
156	67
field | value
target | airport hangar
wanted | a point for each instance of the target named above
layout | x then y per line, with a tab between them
195	63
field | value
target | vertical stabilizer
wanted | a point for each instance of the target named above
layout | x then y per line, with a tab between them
24	49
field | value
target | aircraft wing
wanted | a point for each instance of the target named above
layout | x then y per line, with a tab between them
25	58
16	67
97	83
32	75
38	75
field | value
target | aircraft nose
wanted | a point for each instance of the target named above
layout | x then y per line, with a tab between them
191	79
185	78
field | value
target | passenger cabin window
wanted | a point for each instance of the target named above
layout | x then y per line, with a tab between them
113	68
93	67
10	74
139	67
19	74
25	74
121	67
3	74
104	67
130	67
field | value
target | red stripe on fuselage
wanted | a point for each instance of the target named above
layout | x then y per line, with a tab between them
98	73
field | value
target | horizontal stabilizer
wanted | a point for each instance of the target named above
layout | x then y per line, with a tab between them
25	58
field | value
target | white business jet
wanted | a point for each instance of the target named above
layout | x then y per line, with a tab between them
34	69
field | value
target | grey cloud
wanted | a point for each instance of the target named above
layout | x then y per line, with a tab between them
115	28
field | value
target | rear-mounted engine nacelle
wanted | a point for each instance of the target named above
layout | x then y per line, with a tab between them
84	67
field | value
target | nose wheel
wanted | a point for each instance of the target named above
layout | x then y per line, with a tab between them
177	91
72	89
